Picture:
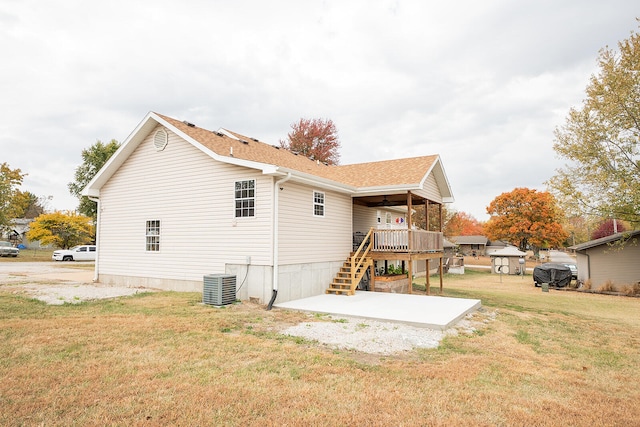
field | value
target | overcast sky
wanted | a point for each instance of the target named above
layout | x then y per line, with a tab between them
482	83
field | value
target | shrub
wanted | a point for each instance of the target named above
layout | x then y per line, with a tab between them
631	290
607	286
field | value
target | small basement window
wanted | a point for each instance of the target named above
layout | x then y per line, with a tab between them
152	234
318	203
245	198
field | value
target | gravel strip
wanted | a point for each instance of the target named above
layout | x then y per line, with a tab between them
58	295
375	337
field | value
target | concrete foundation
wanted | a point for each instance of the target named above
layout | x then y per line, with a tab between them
253	282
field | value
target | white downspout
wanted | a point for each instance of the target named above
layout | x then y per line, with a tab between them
95	267
276	223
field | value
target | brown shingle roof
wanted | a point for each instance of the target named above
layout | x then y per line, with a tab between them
373	174
387	172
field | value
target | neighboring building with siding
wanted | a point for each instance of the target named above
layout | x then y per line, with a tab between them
613	258
471	245
177	202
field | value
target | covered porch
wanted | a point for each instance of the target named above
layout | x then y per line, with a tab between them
405	244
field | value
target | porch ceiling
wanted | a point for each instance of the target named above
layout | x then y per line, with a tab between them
388	200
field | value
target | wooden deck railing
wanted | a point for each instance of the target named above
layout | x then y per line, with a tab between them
359	257
407	241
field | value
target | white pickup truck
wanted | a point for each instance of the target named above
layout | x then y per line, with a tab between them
7	249
76	253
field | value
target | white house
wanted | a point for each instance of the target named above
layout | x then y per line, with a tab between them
177	202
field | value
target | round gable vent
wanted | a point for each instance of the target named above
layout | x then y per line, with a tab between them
160	139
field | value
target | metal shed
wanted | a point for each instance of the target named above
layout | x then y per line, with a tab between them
507	261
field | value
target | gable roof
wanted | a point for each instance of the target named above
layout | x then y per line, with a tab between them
469	240
508	251
605	240
230	147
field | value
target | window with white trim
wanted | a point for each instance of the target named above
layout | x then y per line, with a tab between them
152	235
245	198
318	203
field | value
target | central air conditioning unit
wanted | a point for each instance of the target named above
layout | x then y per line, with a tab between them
219	289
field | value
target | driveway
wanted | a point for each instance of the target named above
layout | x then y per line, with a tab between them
561	257
58	283
19	272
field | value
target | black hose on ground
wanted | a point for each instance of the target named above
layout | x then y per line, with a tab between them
273	298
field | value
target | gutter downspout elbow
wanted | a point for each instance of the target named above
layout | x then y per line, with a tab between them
95	267
276	222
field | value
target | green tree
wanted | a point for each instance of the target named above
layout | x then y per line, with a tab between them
527	218
93	158
10	180
316	139
61	229
600	141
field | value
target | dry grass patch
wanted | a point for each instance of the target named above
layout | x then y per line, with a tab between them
559	358
632	290
30	255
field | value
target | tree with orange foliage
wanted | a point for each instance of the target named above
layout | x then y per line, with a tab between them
463	224
525	217
316	139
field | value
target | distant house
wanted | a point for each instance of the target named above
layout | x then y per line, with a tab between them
613	258
471	245
177	202
16	232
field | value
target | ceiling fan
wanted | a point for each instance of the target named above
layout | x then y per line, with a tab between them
384	202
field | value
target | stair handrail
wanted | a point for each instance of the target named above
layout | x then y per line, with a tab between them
357	259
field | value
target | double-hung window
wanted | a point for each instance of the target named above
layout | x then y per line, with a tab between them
153	236
245	198
318	203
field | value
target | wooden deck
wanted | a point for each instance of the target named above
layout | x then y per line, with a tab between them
406	242
393	245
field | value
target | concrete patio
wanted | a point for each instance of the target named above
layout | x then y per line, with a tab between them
433	312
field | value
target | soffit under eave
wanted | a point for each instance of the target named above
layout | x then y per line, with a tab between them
389	199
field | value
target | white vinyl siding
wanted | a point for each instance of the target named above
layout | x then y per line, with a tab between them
364	218
430	190
192	196
305	238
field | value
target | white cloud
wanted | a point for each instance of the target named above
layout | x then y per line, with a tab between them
481	83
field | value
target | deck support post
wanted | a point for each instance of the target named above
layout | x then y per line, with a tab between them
426	214
441	269
410	275
372	277
427	283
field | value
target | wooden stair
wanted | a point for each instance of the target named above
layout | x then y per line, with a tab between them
353	269
344	282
